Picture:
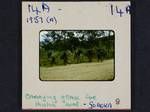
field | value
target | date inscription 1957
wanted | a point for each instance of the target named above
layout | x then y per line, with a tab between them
36	12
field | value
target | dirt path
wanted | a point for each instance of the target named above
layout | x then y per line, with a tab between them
84	71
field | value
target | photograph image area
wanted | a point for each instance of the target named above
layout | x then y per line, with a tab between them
77	55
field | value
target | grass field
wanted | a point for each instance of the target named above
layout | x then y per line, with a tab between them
83	71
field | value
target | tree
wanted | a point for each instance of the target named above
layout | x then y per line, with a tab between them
77	55
90	54
91	44
64	57
101	54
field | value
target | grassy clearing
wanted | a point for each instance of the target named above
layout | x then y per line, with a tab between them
84	71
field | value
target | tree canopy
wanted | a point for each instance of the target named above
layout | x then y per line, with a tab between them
75	46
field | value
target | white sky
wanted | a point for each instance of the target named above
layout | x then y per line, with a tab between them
43	34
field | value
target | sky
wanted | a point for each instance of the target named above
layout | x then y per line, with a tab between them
43	34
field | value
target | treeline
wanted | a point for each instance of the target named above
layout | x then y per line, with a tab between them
68	47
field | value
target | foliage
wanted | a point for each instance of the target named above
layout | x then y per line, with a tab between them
68	47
